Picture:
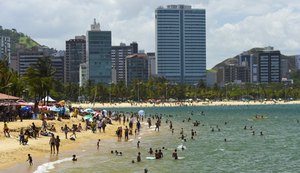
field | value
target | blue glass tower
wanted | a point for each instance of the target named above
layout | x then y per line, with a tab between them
181	43
99	54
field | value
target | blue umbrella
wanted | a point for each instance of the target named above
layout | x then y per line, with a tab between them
141	113
54	109
89	110
26	108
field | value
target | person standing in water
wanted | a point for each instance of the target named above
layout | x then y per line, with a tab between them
175	154
57	144
138	158
52	144
138	144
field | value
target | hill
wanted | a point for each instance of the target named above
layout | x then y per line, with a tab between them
18	39
234	60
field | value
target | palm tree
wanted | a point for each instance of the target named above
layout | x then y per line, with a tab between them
39	78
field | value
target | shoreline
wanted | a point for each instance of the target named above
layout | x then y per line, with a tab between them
178	104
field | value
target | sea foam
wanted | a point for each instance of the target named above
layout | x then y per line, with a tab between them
50	165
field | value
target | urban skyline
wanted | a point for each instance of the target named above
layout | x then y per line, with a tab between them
278	21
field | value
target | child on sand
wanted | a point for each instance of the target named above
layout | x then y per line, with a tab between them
98	144
29	159
6	130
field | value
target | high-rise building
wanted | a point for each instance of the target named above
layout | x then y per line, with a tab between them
181	43
250	61
269	63
297	62
136	68
235	74
98	54
26	58
75	55
5	48
57	62
118	54
135	47
152	64
83	77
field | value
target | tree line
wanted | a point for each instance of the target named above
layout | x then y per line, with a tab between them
39	82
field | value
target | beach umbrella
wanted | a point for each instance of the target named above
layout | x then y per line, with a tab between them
104	112
141	113
26	108
89	110
62	102
87	117
54	109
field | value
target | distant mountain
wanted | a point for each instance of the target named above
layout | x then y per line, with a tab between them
18	39
254	51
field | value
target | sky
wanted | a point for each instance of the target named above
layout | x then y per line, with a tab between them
232	26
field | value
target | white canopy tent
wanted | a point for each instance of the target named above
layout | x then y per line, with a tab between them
49	99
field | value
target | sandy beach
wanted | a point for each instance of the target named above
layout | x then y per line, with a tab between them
171	104
12	152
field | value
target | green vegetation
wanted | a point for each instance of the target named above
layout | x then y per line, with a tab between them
28	42
18	39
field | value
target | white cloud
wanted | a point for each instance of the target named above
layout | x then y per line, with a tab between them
232	26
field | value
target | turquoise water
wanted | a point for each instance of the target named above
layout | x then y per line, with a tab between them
276	151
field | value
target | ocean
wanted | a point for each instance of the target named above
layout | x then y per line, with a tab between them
277	150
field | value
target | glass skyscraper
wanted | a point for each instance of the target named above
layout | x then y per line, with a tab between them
99	54
181	43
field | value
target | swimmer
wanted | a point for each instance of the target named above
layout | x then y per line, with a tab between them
175	154
150	151
138	158
261	134
132	161
245	128
225	140
138	144
74	158
253	132
192	133
112	152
